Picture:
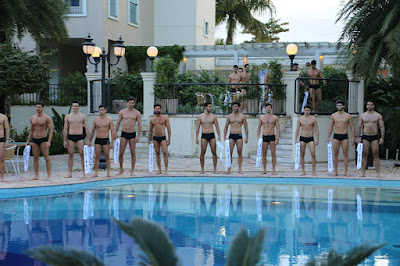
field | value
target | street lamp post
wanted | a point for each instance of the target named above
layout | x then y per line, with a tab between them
152	52
90	49
291	50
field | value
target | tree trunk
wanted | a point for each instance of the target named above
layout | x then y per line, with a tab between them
231	30
5	105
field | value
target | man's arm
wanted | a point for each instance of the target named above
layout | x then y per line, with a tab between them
359	126
139	121
246	129
277	130
87	131
316	129
150	131
217	127
30	132
353	131
331	124
65	131
297	131
7	129
112	133
93	131
259	128
118	124
169	131
382	127
226	127
322	76
50	127
197	129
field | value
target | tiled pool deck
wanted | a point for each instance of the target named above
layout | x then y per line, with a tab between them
183	167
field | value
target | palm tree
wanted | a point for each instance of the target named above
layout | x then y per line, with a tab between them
371	35
241	12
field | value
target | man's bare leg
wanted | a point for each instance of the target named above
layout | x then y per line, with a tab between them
312	95
231	147
97	151
132	147
80	145
264	158
311	147
345	149
36	153
158	159
71	150
122	147
204	143
375	153
273	155
335	147
45	152
165	154
2	162
302	154
213	146
239	146
318	99
366	147
106	150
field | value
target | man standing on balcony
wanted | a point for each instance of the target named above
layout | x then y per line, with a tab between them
315	88
4	137
76	127
269	122
308	125
235	77
207	121
236	120
40	124
368	123
129	117
157	134
341	121
245	78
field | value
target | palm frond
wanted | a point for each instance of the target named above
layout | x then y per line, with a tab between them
358	254
64	257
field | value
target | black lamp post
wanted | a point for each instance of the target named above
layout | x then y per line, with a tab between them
291	50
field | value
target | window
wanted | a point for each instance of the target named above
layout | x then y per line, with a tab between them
133	12
76	8
206	28
113	7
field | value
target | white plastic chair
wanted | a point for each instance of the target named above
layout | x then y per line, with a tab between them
9	157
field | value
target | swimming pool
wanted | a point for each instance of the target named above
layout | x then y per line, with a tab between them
302	220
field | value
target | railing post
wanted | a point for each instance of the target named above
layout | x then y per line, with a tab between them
95	94
358	95
149	79
289	79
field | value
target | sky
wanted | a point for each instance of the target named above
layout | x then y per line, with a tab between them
309	20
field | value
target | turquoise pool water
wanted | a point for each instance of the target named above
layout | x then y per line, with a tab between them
303	217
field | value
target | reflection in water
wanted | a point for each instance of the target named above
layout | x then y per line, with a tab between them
201	220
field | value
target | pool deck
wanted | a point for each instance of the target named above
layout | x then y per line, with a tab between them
184	167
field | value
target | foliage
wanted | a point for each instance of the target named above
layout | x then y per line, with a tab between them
19	136
74	85
136	55
64	257
57	143
219	41
167	71
246	250
42	19
152	240
125	85
370	36
275	76
240	12
267	32
331	72
353	257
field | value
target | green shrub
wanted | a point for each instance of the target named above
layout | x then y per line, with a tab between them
167	71
125	85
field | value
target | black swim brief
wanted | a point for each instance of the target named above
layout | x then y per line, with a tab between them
306	139
128	136
269	138
159	139
39	141
102	141
2	139
234	89
75	138
315	86
235	136
208	136
370	138
340	137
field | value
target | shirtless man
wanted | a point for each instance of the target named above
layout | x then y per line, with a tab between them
308	125
315	88
207	121
368	123
341	121
235	77
267	90
40	123
102	125
74	125
269	122
245	78
129	117
236	120
157	133
4	128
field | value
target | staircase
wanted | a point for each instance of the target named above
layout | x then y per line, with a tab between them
285	146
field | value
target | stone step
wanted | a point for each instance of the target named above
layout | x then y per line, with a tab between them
285	141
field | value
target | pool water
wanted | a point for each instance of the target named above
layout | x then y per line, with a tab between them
302	221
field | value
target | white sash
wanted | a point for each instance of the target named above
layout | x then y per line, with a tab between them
270	96
27	152
221	151
87	205
26	212
227	154
259	211
304	101
359	208
91	155
330	198
259	152
116	150
151	156
297	159
227	202
330	157
297	203
88	158
228	98
360	147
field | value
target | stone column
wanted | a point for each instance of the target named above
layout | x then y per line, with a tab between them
149	79
96	100
356	94
289	79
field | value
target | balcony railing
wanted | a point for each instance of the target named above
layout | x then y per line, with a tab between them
76	7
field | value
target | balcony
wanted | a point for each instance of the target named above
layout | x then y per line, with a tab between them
76	8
